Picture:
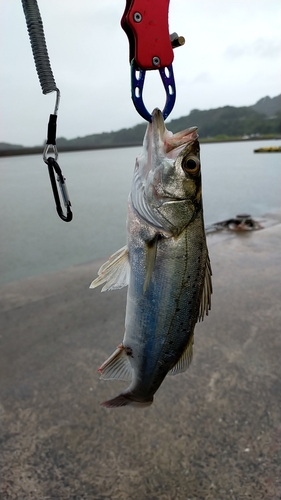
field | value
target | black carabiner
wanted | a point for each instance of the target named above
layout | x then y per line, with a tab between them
53	166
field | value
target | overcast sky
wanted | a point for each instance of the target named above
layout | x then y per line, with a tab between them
231	57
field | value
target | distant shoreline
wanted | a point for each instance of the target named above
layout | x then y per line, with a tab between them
64	149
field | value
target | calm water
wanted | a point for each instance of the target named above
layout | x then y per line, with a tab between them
34	240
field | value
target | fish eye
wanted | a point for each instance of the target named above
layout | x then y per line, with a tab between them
191	165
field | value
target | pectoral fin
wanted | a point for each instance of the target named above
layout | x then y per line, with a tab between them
151	249
185	359
115	272
117	366
205	304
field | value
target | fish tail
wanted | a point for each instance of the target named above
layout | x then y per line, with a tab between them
126	400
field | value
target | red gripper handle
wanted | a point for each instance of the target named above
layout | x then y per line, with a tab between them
146	25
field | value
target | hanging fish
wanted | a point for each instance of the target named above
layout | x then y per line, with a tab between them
165	265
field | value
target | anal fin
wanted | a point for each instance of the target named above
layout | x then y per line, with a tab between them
185	359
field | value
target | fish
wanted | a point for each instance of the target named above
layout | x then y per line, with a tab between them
165	265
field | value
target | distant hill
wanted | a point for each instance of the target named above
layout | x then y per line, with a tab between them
268	106
228	122
262	118
7	145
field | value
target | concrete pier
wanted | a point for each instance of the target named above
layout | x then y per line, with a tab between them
212	433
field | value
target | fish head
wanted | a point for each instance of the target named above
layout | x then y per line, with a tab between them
168	176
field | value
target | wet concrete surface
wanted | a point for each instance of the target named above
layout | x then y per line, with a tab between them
213	432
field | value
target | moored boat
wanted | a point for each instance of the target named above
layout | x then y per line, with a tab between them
269	149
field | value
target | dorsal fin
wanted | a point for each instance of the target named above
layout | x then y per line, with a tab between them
205	303
115	272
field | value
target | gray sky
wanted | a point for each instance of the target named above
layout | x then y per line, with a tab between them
231	56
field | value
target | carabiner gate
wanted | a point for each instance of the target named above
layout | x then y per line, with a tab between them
53	166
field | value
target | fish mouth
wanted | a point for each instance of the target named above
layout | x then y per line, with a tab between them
168	143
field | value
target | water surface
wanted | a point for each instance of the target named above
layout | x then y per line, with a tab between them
34	240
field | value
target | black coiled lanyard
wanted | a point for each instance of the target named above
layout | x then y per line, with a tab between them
48	84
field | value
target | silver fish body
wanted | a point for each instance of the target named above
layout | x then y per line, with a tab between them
165	265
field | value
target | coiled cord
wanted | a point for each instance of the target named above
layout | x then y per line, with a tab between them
39	47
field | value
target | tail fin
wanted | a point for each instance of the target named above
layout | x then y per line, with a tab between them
125	400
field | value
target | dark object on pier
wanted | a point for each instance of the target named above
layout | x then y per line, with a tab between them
242	222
